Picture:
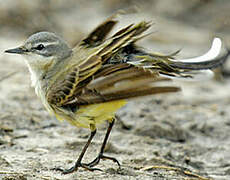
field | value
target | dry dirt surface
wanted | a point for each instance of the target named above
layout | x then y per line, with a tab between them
174	136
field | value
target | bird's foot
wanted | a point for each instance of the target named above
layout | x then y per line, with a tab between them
99	157
75	168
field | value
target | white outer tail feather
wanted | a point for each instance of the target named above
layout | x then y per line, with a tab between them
198	75
213	52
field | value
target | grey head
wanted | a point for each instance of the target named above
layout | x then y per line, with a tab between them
45	44
44	53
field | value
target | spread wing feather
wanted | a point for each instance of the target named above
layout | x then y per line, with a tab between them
116	69
81	74
99	34
122	83
78	77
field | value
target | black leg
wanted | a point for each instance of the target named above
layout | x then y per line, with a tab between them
78	163
100	155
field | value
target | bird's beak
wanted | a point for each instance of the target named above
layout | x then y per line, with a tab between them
19	50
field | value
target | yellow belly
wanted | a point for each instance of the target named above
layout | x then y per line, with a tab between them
94	113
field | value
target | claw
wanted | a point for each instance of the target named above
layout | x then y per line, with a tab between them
101	156
75	168
65	171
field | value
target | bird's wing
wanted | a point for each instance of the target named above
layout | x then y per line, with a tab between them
79	83
110	46
121	81
111	82
99	34
64	88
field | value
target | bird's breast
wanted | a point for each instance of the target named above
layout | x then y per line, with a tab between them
41	94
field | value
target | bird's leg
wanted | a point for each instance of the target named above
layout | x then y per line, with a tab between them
101	155
78	163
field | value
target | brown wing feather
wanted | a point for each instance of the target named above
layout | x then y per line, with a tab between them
92	80
129	73
99	33
123	38
92	97
64	90
122	84
110	68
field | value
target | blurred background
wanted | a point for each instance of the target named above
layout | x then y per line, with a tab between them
189	131
175	20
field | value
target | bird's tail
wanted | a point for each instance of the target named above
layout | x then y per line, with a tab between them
210	64
184	68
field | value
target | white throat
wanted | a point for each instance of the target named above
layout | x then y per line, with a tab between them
36	65
35	74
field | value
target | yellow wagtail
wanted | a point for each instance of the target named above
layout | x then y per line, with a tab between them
86	85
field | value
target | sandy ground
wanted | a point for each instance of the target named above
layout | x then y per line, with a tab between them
174	136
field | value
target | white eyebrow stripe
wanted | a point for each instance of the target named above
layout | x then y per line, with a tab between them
47	43
213	52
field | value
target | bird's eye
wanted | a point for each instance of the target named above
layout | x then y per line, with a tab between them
40	47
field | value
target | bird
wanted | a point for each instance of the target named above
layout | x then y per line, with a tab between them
88	83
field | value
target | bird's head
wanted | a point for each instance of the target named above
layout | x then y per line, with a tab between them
43	49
